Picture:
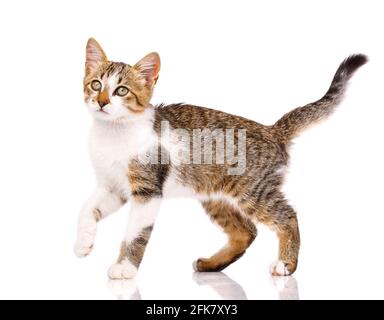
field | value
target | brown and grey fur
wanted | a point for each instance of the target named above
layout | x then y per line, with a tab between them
257	192
134	251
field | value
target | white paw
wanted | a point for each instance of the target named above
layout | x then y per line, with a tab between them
278	268
194	266
84	244
85	237
82	249
122	270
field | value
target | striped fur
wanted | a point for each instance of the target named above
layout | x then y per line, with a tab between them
131	126
292	123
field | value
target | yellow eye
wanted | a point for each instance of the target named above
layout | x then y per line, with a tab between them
96	85
121	91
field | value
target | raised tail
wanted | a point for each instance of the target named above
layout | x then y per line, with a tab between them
293	122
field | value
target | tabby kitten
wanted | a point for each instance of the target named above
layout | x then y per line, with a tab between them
238	183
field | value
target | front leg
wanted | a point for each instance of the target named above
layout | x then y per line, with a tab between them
101	204
140	223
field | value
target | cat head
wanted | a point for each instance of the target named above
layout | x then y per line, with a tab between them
115	91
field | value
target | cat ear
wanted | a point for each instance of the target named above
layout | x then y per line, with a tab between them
94	55
149	68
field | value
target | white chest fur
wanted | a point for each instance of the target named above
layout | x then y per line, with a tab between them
113	146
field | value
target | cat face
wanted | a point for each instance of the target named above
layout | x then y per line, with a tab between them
115	91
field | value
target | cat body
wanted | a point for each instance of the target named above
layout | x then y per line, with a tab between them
234	166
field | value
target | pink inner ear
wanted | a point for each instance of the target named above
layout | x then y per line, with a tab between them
149	68
92	60
94	55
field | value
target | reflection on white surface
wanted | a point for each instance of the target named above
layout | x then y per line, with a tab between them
223	285
125	289
286	287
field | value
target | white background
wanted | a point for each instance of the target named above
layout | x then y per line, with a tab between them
252	58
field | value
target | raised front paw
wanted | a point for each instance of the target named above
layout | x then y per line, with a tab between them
85	236
84	244
122	270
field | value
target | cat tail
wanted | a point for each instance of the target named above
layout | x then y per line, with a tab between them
293	122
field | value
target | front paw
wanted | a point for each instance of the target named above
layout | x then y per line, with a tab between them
122	270
84	245
86	235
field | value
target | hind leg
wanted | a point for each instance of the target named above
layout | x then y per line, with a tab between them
271	208
289	245
239	230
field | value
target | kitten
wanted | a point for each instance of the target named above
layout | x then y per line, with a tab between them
233	166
